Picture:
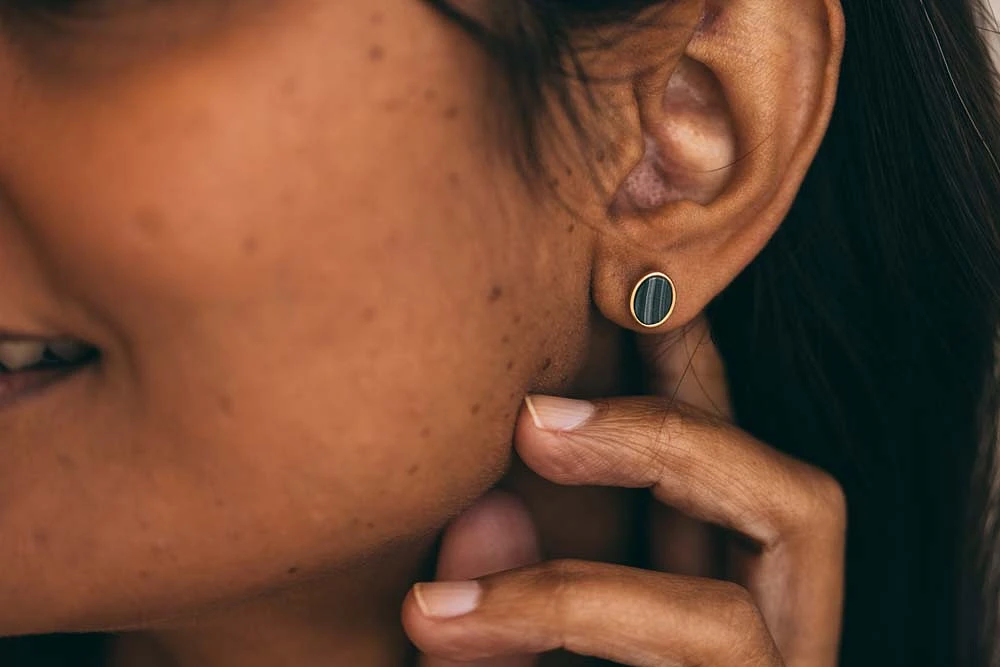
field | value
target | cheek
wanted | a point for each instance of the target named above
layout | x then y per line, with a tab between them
308	315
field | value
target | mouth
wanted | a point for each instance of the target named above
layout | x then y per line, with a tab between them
29	366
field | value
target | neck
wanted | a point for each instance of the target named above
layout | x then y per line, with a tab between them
347	618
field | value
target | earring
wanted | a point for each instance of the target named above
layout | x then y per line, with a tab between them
653	300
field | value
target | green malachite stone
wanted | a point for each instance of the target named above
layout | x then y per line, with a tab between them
653	301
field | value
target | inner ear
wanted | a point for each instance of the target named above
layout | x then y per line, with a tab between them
690	142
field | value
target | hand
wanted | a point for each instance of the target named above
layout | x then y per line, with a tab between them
788	519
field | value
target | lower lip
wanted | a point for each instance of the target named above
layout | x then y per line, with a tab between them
15	387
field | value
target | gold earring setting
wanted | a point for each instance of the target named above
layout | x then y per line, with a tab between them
653	300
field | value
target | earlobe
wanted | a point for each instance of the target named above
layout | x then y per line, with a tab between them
730	127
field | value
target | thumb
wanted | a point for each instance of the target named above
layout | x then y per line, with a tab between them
495	534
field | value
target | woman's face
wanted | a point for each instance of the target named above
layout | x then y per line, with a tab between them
318	289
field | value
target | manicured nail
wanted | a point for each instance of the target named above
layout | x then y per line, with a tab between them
558	414
447	599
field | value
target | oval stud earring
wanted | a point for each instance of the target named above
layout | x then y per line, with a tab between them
653	300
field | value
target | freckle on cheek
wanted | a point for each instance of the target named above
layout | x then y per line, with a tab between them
250	246
475	409
41	538
289	87
495	294
451	113
149	221
376	53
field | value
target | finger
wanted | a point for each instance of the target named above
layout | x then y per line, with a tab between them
496	534
629	616
793	513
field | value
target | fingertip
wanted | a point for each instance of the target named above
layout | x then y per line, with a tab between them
447	638
443	600
543	447
533	412
550	454
557	414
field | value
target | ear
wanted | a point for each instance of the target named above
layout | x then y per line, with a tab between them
719	133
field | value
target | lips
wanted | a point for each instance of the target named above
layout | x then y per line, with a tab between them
28	366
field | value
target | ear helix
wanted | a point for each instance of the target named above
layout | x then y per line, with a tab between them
653	300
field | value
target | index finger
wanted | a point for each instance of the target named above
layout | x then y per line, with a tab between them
710	470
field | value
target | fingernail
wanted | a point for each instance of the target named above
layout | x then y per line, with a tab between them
558	414
447	599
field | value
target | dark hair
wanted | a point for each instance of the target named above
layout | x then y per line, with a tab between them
862	338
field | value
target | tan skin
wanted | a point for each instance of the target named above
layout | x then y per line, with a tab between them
320	293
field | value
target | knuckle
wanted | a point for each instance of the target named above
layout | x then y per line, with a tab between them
817	505
559	577
740	625
832	499
828	503
738	606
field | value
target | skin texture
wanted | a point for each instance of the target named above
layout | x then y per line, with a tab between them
321	290
267	288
